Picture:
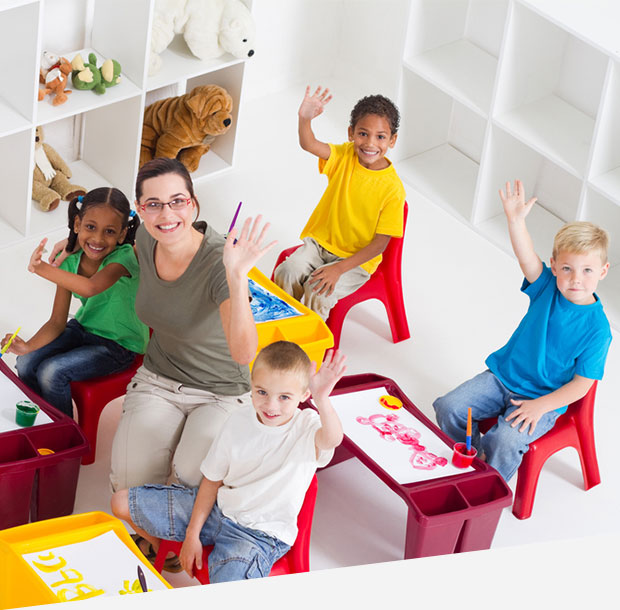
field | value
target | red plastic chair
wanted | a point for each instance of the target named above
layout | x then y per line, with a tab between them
385	284
91	397
296	560
575	428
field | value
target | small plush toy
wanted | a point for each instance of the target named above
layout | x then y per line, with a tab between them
210	28
54	73
50	180
183	127
87	77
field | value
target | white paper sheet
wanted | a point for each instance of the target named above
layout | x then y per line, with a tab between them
393	438
103	565
10	395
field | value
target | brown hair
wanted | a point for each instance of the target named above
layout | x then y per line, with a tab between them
379	105
285	356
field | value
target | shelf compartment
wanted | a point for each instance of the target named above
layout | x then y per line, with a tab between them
18	65
549	89
453	52
557	192
605	168
439	145
108	133
79	102
16	155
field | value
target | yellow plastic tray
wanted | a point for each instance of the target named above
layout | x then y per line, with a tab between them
19	583
309	331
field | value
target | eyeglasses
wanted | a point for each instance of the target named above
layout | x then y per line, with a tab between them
155	207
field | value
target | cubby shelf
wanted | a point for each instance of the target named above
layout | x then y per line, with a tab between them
491	91
97	135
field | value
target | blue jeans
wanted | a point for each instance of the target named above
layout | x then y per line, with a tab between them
487	396
74	355
239	552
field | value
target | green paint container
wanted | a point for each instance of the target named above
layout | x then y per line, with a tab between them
25	413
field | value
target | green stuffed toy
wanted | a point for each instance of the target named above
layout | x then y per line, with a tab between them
87	76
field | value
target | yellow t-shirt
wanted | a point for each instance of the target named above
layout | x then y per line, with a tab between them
357	204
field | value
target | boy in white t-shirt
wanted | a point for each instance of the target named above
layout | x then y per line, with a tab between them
255	475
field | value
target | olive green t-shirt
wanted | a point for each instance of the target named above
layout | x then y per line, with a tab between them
188	343
111	313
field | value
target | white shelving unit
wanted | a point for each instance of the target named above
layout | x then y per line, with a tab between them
97	135
493	90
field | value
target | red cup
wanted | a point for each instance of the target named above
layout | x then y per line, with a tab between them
461	458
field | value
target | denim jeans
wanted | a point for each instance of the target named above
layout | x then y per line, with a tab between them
239	552
74	355
487	396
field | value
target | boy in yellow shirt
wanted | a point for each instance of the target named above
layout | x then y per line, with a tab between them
359	212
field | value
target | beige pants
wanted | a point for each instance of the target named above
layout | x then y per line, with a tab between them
292	276
166	424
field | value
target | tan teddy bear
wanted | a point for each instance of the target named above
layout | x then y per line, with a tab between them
50	180
183	127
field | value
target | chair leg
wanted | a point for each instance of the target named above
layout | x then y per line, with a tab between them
335	321
89	424
587	457
527	481
397	315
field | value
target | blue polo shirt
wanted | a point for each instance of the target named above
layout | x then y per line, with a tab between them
555	341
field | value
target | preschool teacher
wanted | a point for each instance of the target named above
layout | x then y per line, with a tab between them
193	294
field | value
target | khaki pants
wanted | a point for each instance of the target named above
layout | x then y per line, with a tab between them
292	276
165	424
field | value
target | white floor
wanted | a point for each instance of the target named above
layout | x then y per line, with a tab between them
463	301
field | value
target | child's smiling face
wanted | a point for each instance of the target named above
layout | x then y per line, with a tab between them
99	231
372	137
276	394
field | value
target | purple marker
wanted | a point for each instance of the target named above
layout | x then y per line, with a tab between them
234	220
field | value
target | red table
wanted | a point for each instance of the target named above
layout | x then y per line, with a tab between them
451	514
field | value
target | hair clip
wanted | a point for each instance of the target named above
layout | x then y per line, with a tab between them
132	213
80	198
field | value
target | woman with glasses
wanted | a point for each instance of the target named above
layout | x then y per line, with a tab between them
193	294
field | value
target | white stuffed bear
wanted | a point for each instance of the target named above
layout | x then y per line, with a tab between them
210	28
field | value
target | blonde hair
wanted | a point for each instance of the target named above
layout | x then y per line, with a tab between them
581	237
285	356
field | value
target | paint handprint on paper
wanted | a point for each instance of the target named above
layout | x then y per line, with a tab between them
390	429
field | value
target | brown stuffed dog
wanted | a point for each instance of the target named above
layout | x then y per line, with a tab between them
183	127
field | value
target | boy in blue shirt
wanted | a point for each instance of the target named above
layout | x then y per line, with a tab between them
554	355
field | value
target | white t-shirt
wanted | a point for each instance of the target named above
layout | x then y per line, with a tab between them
265	471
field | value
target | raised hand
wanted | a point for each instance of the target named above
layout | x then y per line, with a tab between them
515	206
240	257
313	105
323	381
36	258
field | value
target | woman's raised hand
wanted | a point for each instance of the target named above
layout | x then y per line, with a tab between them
241	253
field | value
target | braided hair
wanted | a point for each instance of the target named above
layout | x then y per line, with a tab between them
103	196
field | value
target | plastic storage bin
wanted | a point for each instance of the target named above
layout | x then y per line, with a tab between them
309	331
19	584
451	514
39	485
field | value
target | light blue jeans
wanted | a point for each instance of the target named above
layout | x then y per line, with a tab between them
487	396
74	355
238	553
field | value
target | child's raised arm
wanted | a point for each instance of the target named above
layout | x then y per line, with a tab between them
330	434
311	107
191	550
79	284
516	210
